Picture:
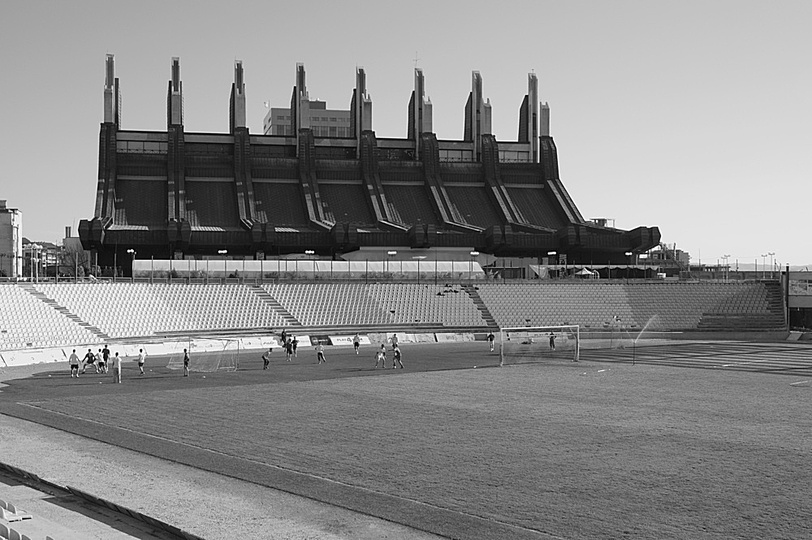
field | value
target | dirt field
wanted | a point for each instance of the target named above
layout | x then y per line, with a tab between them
553	449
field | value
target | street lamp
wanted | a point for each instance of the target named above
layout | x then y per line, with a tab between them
132	252
763	266
310	253
629	255
771	254
391	254
35	248
224	252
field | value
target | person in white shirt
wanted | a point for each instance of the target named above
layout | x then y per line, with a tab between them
320	354
380	357
117	369
74	364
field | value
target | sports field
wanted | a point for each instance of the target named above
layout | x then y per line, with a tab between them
600	448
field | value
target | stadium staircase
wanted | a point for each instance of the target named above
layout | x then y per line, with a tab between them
289	320
757	308
473	292
39	295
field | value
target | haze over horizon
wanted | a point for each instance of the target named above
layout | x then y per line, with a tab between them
690	116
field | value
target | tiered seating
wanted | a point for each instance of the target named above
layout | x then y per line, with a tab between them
27	322
328	304
346	202
351	304
9	512
752	307
142	309
473	204
435	304
546	304
30	319
661	306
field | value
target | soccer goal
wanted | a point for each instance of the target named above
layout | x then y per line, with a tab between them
524	344
208	355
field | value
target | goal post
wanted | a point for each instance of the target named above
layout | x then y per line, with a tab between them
208	355
524	344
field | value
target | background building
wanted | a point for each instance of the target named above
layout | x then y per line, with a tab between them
11	241
323	121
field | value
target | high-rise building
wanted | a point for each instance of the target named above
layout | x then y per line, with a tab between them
11	241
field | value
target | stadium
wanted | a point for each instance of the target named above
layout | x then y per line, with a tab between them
609	407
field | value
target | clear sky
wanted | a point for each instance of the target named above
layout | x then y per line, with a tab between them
693	116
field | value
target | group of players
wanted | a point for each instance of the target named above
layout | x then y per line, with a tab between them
290	345
100	360
380	356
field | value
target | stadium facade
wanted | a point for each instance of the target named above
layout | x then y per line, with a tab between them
174	194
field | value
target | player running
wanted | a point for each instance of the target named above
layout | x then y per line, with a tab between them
491	337
396	359
320	353
356	342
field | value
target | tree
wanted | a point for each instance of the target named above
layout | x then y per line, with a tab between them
74	261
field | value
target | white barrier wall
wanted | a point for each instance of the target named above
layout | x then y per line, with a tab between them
129	351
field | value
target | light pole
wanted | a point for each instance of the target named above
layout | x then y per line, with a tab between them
132	252
224	252
391	254
310	253
629	255
727	267
763	266
35	252
474	254
418	258
771	254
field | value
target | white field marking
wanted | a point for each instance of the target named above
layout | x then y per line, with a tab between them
747	363
799	383
601	370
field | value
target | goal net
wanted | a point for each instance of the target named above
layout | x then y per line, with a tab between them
526	344
208	355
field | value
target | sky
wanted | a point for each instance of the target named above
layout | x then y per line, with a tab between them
692	116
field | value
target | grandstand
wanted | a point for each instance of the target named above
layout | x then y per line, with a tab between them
42	315
359	205
173	195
